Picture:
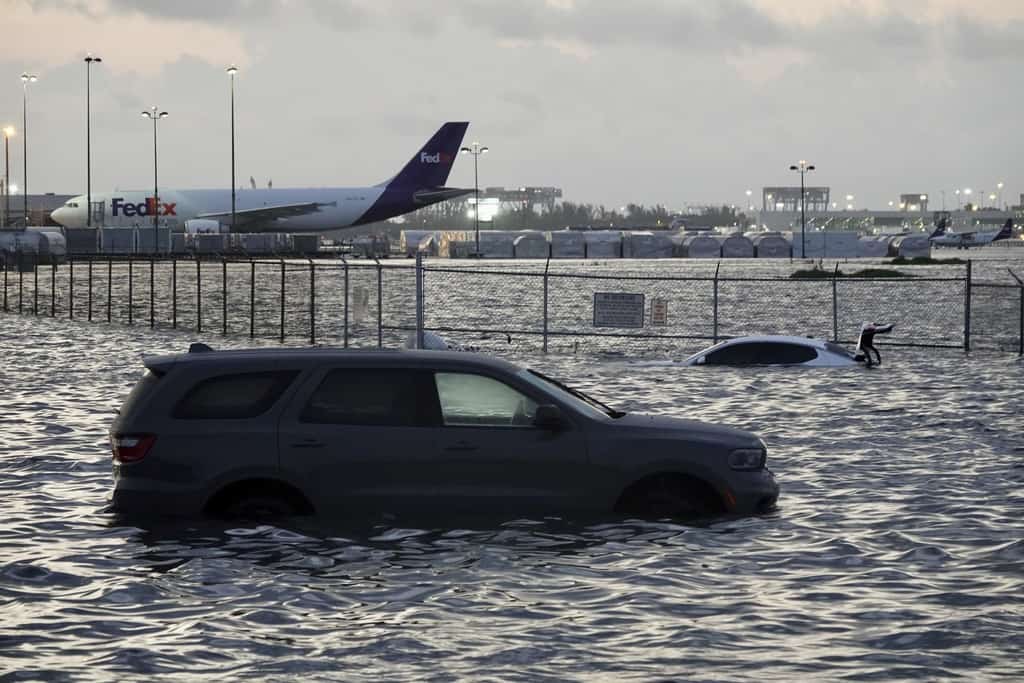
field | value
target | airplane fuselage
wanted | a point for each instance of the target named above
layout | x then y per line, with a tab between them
337	208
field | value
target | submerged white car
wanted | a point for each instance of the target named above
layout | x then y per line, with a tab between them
769	349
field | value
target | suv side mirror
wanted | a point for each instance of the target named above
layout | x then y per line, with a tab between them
548	416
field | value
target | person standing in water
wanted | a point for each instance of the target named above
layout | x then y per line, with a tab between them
866	343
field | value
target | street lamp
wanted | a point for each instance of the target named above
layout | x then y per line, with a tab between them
476	150
802	168
8	134
89	60
967	194
999	186
957	193
232	70
750	207
155	115
26	78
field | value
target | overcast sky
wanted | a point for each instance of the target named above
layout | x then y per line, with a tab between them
647	101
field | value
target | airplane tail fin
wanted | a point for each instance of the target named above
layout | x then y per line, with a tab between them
1006	232
432	164
940	228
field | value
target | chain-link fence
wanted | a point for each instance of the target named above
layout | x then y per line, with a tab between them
535	306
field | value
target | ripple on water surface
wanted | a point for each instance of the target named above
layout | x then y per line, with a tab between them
896	551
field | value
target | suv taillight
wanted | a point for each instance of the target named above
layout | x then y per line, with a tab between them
131	447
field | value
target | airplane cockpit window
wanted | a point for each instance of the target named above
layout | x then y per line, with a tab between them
71	205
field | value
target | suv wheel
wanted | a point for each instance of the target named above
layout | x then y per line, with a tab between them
670	495
257	506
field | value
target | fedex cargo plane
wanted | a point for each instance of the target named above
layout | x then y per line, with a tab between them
420	183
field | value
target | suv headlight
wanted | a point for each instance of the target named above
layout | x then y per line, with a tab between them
747	458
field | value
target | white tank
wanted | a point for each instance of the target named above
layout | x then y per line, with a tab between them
646	245
737	246
531	245
700	246
911	246
568	244
770	244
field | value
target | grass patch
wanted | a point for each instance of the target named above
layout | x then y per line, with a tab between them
927	261
822	274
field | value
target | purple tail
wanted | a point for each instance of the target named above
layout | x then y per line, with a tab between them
1006	232
432	164
940	227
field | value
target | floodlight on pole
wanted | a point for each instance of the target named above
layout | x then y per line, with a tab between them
154	114
802	168
89	61
476	149
26	78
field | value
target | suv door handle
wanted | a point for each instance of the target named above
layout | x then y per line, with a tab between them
462	447
307	443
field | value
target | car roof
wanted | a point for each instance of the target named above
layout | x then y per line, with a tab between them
775	338
382	357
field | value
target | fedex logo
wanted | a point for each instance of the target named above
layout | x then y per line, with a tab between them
119	207
436	158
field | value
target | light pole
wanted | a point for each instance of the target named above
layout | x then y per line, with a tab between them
476	150
26	78
802	168
8	134
89	60
999	186
957	193
155	115
232	70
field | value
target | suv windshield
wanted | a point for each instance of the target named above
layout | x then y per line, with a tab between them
584	403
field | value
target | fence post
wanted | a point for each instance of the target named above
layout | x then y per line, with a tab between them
547	266
252	298
89	298
312	302
110	284
380	305
345	263
35	285
53	290
282	299
21	277
224	295
71	291
5	284
152	291
1020	318
174	292
714	303
199	293
419	299
131	290
967	308
835	305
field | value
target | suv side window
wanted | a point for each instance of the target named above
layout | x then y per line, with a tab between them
372	397
476	400
234	397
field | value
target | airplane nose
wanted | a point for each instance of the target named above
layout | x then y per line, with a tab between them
58	215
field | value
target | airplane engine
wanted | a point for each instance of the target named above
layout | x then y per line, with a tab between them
202	226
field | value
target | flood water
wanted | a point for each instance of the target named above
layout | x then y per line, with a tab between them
896	552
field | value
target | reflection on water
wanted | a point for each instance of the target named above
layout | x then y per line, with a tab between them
896	551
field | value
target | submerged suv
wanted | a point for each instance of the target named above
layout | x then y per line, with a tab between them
294	431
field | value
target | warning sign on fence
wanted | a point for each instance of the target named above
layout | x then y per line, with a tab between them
659	312
612	309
